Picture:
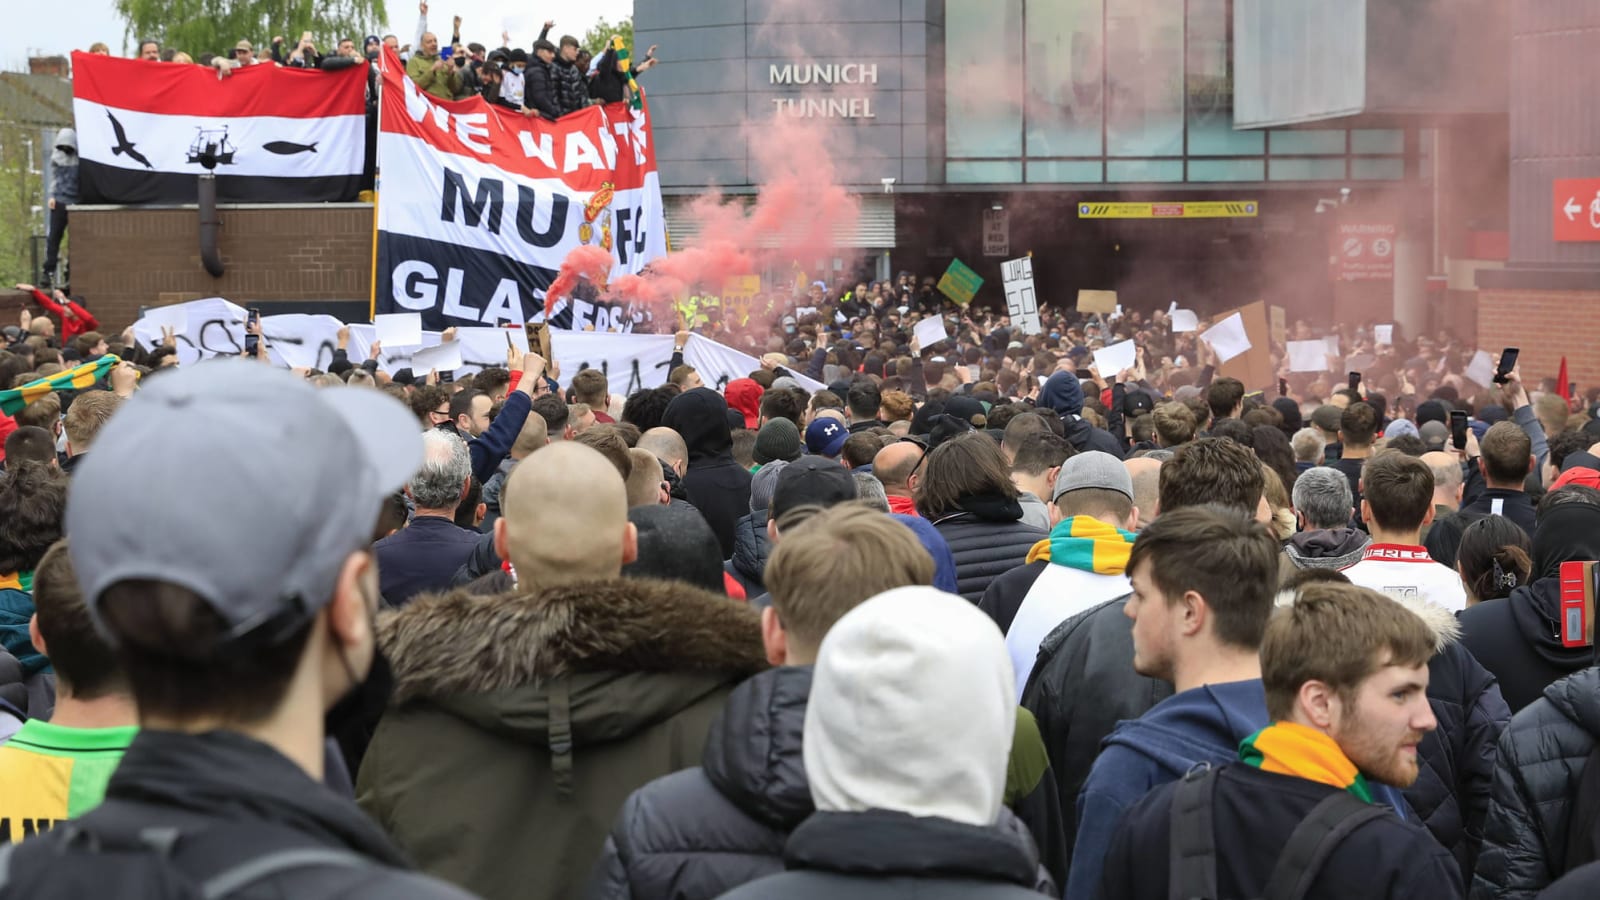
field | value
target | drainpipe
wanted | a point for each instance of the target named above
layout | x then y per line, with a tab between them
210	226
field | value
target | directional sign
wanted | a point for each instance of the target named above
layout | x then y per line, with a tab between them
1575	205
1206	209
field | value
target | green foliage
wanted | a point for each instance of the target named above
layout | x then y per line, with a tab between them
596	38
20	191
214	26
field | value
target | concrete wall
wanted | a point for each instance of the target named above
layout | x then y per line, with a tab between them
715	85
125	257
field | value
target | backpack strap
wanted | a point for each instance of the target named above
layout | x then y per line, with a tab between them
1192	845
1314	840
231	881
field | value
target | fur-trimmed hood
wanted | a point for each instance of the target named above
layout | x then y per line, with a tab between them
1442	622
457	643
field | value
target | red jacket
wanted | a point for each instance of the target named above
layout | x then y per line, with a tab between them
80	322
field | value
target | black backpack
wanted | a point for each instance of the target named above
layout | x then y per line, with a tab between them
118	855
1192	872
1583	822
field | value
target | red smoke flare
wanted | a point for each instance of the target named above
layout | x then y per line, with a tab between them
585	260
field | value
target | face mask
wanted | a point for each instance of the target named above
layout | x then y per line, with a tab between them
517	69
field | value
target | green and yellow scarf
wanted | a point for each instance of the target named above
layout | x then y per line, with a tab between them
1286	748
75	379
17	581
1086	544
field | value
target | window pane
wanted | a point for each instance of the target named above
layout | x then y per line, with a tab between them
1308	142
958	172
1306	169
1065	91
1075	171
1144	77
1144	170
1210	87
1227	170
1377	140
983	96
1368	169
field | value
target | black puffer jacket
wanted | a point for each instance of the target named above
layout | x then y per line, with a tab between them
701	832
873	854
1456	760
716	485
1083	685
988	540
1542	755
750	550
572	87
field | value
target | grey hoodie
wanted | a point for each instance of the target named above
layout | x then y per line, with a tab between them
1332	548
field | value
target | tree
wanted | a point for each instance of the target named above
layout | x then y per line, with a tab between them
214	26
21	195
596	39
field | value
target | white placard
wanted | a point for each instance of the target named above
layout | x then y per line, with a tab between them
930	331
1227	338
1331	343
1481	369
482	348
445	357
1383	335
1308	356
175	317
1022	302
399	329
1185	320
1115	358
390	359
301	341
631	362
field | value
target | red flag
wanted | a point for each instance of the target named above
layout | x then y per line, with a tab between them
1563	386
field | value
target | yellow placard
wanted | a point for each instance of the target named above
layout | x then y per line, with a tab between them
738	293
1187	209
1097	301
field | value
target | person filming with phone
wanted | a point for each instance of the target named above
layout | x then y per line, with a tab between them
432	69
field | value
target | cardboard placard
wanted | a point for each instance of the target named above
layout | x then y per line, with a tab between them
1097	301
1254	366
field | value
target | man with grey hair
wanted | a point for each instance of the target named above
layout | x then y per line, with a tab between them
870	490
1323	506
424	555
1309	449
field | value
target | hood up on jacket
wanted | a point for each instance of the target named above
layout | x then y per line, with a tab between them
1331	548
744	396
753	751
1195	724
700	416
1568	532
66	149
626	654
1063	393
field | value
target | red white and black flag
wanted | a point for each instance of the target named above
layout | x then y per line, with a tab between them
276	135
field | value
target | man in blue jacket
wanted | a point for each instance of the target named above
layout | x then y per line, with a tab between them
1204	579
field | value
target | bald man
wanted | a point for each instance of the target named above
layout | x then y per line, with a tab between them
532	714
1442	535
668	446
896	466
1146	475
646	484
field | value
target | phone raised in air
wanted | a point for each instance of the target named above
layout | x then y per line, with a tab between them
1355	381
1458	429
1508	361
1283	387
252	343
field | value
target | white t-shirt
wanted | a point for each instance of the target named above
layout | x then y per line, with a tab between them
1058	594
1408	572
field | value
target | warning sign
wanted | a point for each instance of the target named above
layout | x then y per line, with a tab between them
1205	209
1363	251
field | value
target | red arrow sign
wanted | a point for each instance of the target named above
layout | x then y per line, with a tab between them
1575	207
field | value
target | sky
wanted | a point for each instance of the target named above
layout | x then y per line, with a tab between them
44	29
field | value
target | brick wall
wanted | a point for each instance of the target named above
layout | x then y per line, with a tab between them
125	258
1546	325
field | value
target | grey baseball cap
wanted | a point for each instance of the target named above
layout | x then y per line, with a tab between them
311	467
1093	469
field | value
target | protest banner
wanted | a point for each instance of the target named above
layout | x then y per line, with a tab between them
1022	303
272	134
960	283
479	206
1104	302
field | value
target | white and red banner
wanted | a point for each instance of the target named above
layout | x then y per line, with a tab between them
275	135
478	204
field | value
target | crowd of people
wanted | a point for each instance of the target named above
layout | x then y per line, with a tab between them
972	620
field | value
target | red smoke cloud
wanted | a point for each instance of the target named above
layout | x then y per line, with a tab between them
587	261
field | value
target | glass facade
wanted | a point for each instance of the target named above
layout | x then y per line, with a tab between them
1121	91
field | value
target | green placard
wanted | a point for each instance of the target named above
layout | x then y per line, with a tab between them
960	283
